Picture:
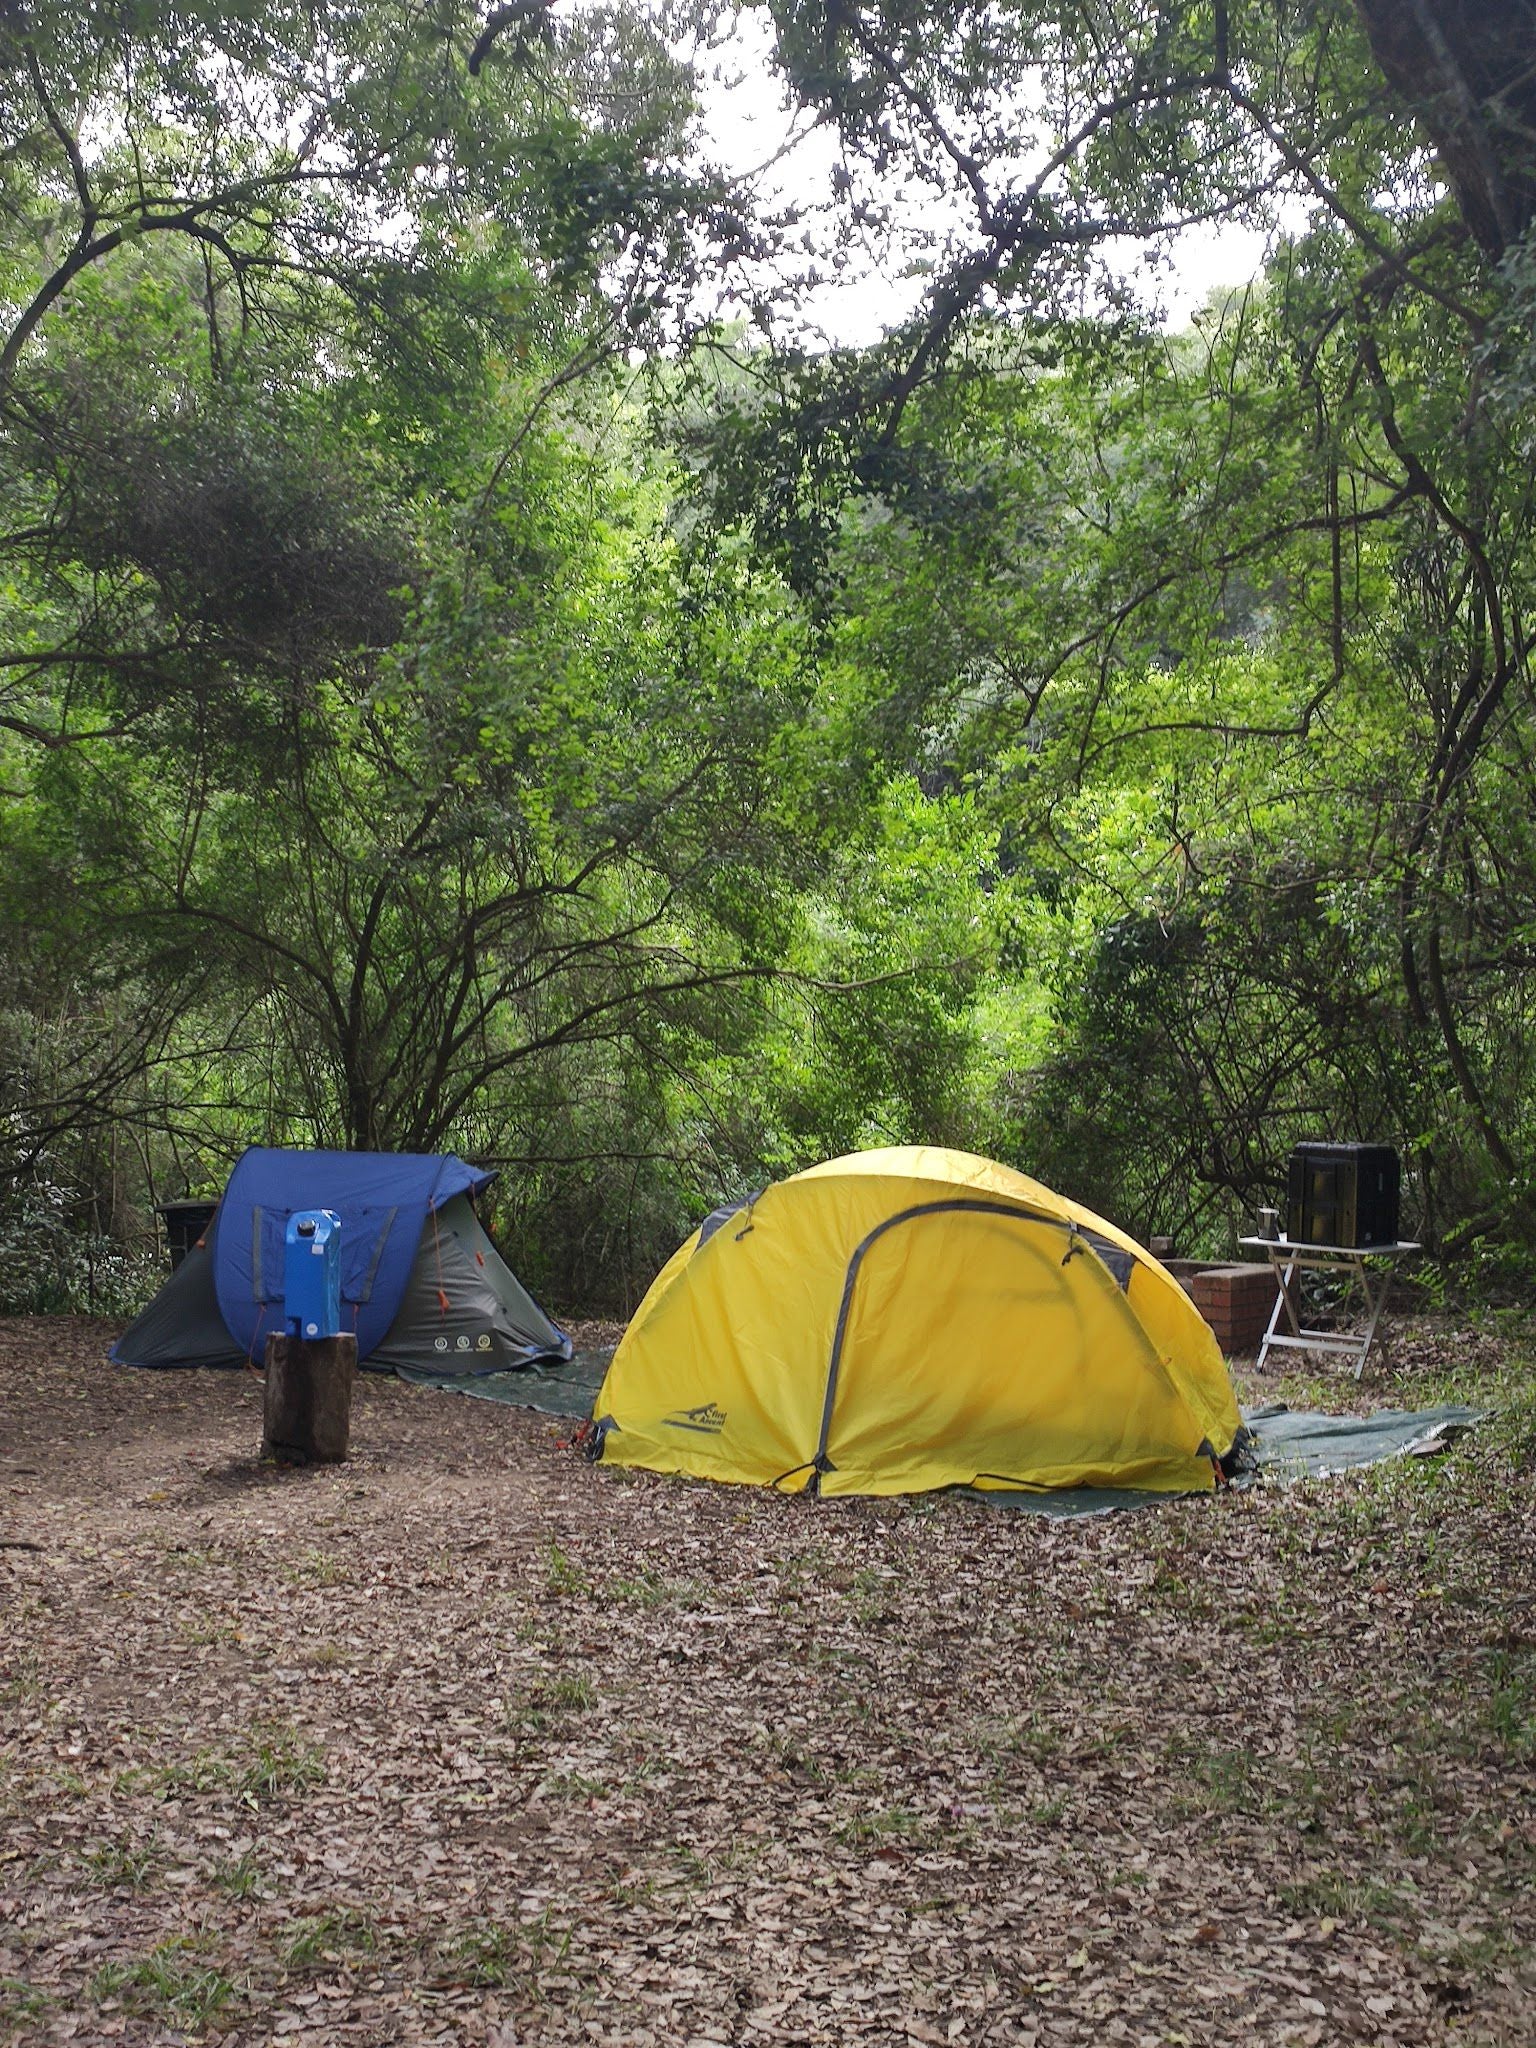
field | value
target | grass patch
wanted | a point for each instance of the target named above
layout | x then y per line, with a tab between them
191	1557
632	1891
573	1692
488	1953
67	1783
563	1577
1330	1895
22	1682
651	1589
315	1568
1418	1822
482	1956
20	2000
280	1764
1475	1954
210	1635
1211	1780
334	1938
575	1785
886	1824
1034	1737
125	1864
1512	1701
169	1982
793	1756
241	1877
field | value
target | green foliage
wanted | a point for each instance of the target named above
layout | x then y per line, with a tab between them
1221	630
381	772
443	703
56	1257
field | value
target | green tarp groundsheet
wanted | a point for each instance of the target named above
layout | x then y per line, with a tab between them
1287	1443
565	1386
1297	1443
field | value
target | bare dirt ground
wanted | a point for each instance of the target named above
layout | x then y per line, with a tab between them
468	1742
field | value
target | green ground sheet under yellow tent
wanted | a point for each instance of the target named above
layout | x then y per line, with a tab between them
1287	1444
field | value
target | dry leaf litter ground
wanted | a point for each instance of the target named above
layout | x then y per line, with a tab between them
467	1742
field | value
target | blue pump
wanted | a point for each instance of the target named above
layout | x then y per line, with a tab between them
312	1274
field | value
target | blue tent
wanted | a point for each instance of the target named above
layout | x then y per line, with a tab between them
421	1283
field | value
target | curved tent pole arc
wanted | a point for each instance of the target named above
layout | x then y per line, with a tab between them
1077	1241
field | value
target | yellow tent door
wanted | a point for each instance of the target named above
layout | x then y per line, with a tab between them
1031	1372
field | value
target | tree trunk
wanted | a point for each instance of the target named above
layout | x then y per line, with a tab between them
307	1418
1465	68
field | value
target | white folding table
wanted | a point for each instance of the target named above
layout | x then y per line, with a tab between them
1366	1267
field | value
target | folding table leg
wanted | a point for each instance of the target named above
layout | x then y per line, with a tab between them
1375	1304
1283	1306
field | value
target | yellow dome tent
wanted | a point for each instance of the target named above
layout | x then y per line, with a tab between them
914	1318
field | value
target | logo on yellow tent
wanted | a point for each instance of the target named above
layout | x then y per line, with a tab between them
708	1420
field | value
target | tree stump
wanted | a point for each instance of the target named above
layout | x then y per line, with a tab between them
307	1415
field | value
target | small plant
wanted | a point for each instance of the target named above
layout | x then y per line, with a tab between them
22	1682
1034	1737
483	1956
694	1868
574	1690
314	1568
1417	1824
873	1603
792	1757
632	1891
168	1981
575	1785
526	1717
563	1575
20	2000
1517	1418
1330	1895
490	1954
330	1938
207	1635
1512	1705
124	1864
887	1824
650	1589
282	1764
240	1879
190	1557
1210	1779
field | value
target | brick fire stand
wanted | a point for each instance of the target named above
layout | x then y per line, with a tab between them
1234	1299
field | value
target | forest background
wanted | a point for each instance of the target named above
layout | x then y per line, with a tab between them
475	673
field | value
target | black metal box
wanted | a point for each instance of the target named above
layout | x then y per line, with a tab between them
185	1224
1342	1194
